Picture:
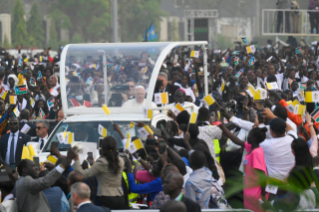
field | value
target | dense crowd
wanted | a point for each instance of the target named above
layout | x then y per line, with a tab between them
255	146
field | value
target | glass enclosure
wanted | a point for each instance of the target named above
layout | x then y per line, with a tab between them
123	76
88	132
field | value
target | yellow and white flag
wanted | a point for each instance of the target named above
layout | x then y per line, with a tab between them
312	96
260	94
148	113
13	100
193	118
209	100
195	54
52	159
3	94
65	137
251	90
145	131
161	98
300	95
272	86
102	131
32	102
177	109
135	145
251	49
106	110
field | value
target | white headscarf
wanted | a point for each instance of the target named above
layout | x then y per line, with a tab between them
14	77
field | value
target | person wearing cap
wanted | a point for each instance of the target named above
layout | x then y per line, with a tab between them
162	86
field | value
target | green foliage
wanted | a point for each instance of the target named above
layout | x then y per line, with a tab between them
224	42
35	27
135	16
6	43
53	41
90	19
18	25
77	38
174	35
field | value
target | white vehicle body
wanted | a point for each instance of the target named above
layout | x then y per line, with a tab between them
92	116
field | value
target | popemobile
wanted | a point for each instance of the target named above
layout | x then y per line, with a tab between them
85	124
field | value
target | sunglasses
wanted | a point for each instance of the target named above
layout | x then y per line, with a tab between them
13	123
39	128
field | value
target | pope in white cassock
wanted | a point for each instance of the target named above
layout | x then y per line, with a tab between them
139	100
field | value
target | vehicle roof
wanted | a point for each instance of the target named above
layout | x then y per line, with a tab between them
114	117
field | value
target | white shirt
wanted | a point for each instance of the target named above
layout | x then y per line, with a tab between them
83	203
278	156
16	135
45	139
9	196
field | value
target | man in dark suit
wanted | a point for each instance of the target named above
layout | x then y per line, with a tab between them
80	194
172	185
24	119
11	144
162	86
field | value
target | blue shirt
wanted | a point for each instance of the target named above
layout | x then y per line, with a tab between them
152	187
54	197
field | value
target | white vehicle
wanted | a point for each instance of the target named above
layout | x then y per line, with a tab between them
142	61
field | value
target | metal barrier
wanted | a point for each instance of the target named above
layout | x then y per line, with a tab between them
203	210
287	22
38	120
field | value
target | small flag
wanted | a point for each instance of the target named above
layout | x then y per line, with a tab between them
272	86
161	98
195	54
222	88
128	143
269	59
33	82
298	50
312	96
109	64
21	71
89	81
302	86
251	49
22	89
131	125
209	99
39	75
106	109
31	150
41	113
236	61
144	70
51	102
244	39
148	129
3	94
13	100
260	94
20	62
16	112
238	73
251	61
135	145
102	131
315	115
149	114
300	96
40	58
26	153
52	159
178	108
290	108
32	102
50	59
193	118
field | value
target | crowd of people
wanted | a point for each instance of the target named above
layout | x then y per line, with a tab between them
243	151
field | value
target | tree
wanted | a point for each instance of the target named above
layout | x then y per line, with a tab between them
53	41
6	43
18	26
35	27
174	35
134	16
91	19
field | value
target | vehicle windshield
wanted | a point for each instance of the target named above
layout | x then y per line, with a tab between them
127	66
88	132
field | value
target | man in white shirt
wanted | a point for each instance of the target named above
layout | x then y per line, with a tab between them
80	195
42	133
